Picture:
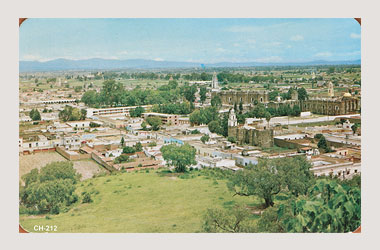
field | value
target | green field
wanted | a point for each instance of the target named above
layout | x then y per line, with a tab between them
142	203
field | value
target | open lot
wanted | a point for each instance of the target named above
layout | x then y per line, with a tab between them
38	160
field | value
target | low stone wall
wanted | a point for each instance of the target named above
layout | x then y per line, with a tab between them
99	160
286	144
71	157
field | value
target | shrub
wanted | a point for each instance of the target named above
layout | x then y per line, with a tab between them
86	198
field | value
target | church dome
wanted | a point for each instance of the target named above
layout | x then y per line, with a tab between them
347	95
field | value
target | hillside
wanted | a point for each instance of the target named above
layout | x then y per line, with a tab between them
142	202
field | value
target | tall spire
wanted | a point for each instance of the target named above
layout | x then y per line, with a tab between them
330	89
214	84
232	120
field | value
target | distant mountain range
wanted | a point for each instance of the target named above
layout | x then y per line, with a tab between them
112	64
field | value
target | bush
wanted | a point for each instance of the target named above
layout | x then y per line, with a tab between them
318	136
86	198
231	139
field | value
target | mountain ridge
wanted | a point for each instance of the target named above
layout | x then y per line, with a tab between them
61	64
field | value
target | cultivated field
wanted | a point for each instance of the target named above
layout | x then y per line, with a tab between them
142	203
38	160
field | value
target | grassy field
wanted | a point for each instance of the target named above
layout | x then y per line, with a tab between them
142	203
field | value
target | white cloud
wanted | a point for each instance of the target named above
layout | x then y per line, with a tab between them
355	36
30	58
269	59
124	52
323	54
236	45
158	59
296	38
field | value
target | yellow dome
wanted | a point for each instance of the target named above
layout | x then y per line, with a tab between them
347	95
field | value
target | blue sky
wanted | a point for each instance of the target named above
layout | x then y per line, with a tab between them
192	40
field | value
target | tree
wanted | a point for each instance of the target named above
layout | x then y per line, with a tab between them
302	94
35	115
129	150
122	158
296	110
51	188
179	156
355	127
262	180
173	84
205	138
271	176
231	139
138	147
273	94
214	127
122	141
189	92
296	175
83	114
322	144
216	102
137	112
89	97
78	89
155	122
143	125
202	93
268	116
236	220
94	125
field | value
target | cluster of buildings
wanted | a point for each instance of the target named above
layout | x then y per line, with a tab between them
99	137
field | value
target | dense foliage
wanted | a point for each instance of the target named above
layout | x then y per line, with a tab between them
179	156
72	114
114	94
295	201
49	190
35	115
269	177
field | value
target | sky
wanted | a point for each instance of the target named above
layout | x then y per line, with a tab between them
192	40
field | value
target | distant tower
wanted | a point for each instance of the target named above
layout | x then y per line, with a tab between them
214	84
330	89
232	120
313	75
59	82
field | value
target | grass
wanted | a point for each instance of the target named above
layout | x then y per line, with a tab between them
142	203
